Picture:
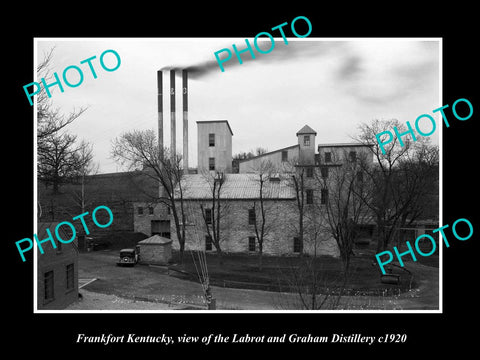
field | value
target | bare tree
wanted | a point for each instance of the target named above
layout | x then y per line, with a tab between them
213	214
259	151
341	207
263	173
242	155
390	196
139	150
416	189
60	159
50	120
81	177
57	155
298	181
312	287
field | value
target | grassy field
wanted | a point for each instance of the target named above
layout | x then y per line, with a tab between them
286	273
293	274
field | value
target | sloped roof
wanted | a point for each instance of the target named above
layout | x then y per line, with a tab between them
236	187
306	130
155	240
350	144
269	153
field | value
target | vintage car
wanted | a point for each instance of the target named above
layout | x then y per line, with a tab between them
129	257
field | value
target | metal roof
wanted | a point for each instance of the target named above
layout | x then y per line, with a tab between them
236	187
155	240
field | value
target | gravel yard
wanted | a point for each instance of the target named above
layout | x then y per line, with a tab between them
99	301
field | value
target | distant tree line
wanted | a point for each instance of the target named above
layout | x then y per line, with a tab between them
243	155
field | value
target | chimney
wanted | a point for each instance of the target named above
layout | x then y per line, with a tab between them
185	120
160	110
173	133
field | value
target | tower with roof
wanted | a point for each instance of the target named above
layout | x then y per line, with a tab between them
306	142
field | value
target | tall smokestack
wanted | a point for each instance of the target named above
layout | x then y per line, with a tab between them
160	110
185	119
173	133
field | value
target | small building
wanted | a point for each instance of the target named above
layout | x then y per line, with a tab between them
57	269
155	250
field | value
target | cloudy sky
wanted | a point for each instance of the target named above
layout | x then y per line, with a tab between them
332	85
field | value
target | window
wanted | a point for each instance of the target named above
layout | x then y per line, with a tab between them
150	210
306	140
140	210
251	216
328	157
251	243
208	216
168	210
208	243
297	246
324	196
324	172
309	196
211	139
310	172
352	155
48	286
285	155
160	227
211	163
70	277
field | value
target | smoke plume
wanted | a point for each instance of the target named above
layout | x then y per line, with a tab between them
281	52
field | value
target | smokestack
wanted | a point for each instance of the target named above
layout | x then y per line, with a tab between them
173	133
185	120
160	110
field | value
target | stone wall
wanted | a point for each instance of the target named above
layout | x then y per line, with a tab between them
142	220
156	254
281	224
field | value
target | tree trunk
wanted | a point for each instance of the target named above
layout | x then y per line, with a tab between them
300	232
219	255
260	257
182	252
181	239
379	234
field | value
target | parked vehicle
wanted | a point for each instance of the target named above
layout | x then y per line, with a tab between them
129	257
92	244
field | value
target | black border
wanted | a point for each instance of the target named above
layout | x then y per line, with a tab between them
54	333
